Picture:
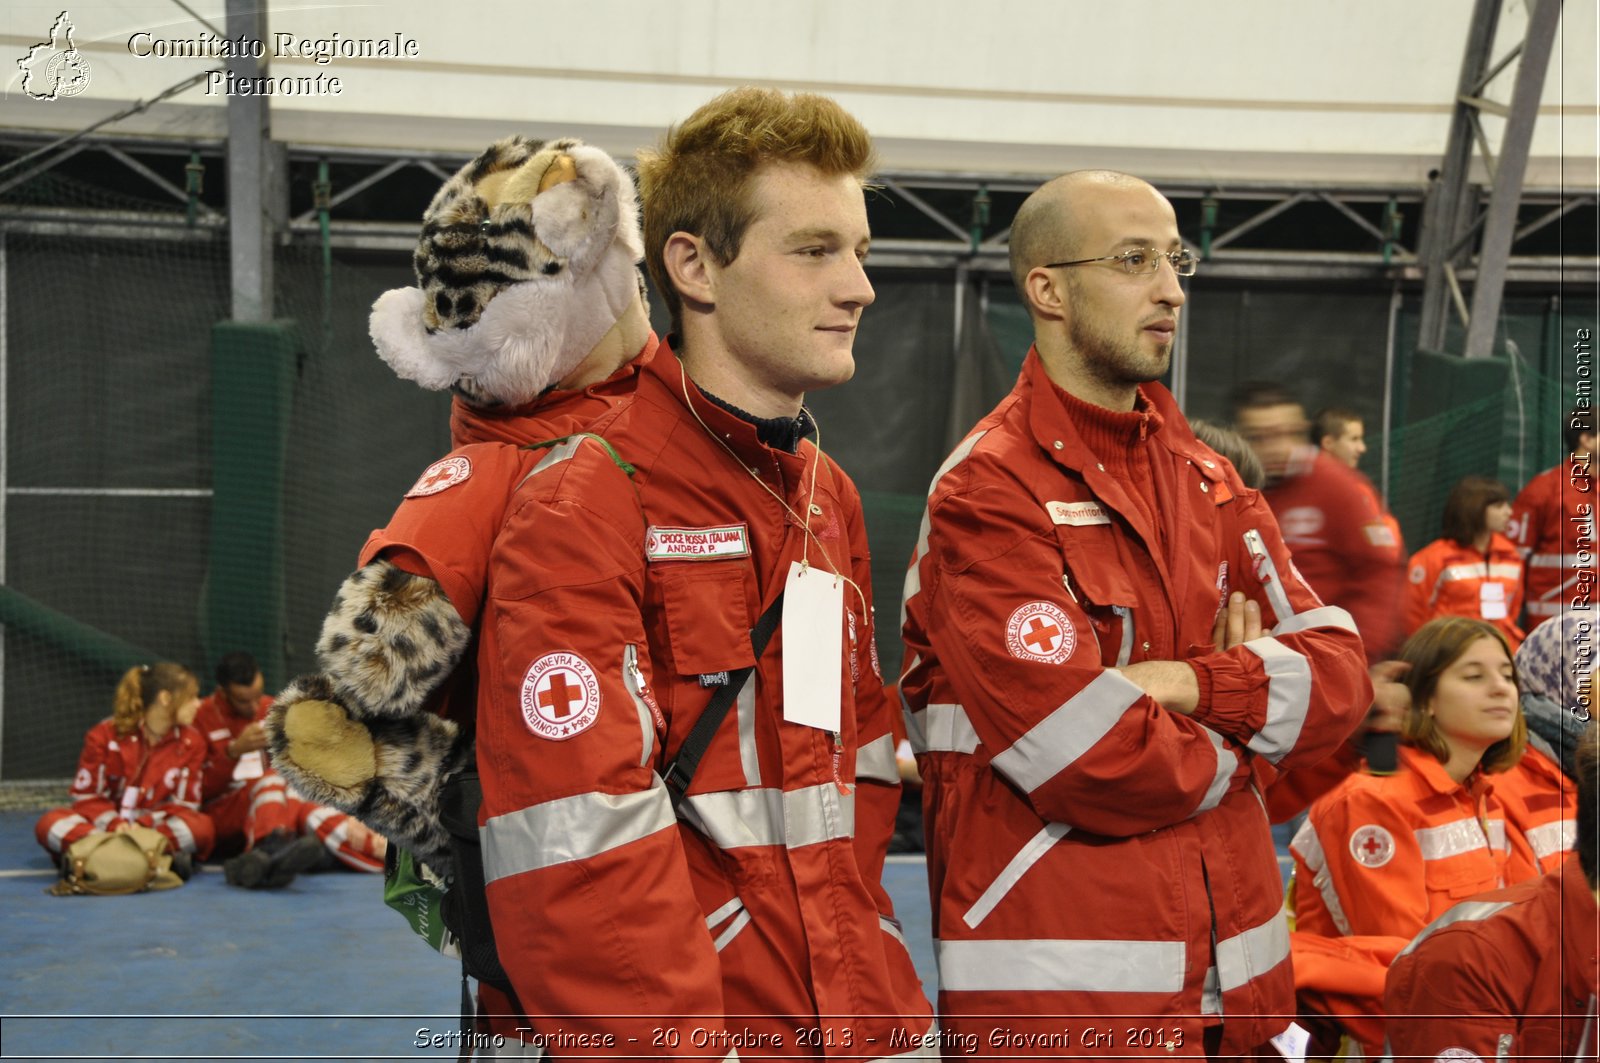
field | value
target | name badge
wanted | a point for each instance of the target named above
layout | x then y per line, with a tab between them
1492	601
696	544
1077	514
813	646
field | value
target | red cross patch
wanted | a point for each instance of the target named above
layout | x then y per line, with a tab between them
447	472
1040	631
560	696
1372	846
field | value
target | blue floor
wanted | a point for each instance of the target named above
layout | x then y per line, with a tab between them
321	970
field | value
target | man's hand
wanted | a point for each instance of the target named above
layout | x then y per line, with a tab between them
1171	683
1238	621
249	740
1391	699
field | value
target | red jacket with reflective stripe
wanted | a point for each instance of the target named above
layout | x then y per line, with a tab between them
125	772
1541	810
1344	544
447	536
1489	980
1551	521
1085	845
221	725
1383	855
614	610
1448	579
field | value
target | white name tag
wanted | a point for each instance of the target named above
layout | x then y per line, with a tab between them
1492	601
813	646
250	766
696	544
1077	514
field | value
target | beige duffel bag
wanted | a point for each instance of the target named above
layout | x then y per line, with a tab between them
111	863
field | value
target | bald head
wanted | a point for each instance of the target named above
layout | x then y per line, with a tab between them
1046	227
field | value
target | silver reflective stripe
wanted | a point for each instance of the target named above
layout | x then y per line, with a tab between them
1322	616
1012	873
270	796
744	707
943	729
1227	761
58	830
1465	912
1042	965
1453	839
875	761
887	926
1559	561
722	913
1547	839
1125	651
570	829
1309	846
1069	732
557	455
913	583
632	679
1538	608
103	818
1501	570
1247	956
740	921
1267	575
1210	994
180	831
1497	835
1288	697
733	819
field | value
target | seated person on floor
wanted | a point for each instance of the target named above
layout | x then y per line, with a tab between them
266	831
141	766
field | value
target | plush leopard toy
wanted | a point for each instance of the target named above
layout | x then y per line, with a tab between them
526	270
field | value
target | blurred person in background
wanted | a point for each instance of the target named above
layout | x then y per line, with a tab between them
1552	524
1472	569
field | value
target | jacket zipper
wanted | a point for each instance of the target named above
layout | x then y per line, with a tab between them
633	679
1267	575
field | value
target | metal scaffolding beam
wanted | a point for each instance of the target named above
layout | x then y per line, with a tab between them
1452	221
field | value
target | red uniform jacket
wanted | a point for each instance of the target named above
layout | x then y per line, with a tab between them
1552	520
1383	855
124	774
221	725
1344	544
615	607
447	535
1089	852
1541	810
1448	579
1506	975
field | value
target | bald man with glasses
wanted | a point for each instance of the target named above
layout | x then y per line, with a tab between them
1108	655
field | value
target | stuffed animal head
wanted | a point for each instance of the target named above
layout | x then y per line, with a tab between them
528	257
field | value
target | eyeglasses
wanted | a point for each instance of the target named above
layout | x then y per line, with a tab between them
1143	260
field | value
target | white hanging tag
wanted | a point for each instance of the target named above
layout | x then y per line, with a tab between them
1492	601
1293	1043
813	611
250	766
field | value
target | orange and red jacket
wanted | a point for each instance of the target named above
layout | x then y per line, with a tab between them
616	605
1507	975
1541	810
1344	544
1448	579
119	775
1552	523
1090	853
1384	855
221	725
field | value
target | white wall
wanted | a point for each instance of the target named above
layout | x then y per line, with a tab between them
1354	90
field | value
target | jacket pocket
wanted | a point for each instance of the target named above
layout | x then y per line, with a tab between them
707	613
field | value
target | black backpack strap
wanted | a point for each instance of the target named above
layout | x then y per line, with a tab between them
681	771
